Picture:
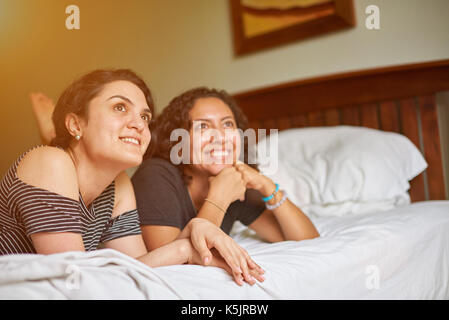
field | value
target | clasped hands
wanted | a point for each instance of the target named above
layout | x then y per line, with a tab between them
206	244
231	184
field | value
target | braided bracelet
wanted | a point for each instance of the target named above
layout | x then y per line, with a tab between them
277	205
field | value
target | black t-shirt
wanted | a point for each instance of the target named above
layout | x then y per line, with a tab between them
163	198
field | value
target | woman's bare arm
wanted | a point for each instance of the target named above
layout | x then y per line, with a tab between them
43	168
177	252
287	221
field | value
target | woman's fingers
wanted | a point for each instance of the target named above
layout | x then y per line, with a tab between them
206	237
257	275
229	255
246	272
248	174
238	264
236	260
199	242
241	260
251	263
218	261
238	278
250	270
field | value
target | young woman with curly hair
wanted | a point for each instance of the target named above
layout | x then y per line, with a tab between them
74	194
221	190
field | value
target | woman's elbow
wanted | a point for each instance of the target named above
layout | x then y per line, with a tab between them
306	236
312	235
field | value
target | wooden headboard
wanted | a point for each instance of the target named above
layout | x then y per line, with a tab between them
399	99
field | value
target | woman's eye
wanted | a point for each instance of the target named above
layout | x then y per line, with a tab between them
229	124
146	118
120	107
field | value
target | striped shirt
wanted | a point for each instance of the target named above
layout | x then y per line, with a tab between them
26	209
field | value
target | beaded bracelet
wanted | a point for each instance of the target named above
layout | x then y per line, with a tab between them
266	199
277	205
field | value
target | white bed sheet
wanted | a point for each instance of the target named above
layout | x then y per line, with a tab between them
397	254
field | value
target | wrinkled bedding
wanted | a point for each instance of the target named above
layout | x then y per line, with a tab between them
397	254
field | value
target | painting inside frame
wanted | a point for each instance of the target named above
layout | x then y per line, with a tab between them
261	24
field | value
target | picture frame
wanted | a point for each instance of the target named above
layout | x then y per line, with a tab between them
263	24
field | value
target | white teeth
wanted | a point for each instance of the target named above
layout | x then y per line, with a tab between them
220	153
131	140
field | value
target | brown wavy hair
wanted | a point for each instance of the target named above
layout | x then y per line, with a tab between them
176	116
77	96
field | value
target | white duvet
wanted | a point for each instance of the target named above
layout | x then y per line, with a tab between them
397	254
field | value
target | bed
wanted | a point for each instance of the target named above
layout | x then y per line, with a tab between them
400	251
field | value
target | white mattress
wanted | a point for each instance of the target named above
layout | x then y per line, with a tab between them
398	254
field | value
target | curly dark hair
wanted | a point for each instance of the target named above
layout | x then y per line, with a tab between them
76	98
176	116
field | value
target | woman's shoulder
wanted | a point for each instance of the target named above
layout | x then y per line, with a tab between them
49	168
124	199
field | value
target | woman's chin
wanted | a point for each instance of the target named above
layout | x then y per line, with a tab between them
131	161
215	169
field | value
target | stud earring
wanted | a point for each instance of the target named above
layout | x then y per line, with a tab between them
78	137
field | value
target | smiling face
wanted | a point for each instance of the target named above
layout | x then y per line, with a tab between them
117	126
214	138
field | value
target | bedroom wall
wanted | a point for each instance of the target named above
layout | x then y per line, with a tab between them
176	45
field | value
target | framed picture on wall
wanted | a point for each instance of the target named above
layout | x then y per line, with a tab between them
262	24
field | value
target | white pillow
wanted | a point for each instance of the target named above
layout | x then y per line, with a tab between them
335	171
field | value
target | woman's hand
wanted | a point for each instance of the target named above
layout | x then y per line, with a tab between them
227	187
292	223
218	261
255	180
205	236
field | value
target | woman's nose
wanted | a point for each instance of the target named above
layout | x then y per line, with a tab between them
216	136
137	122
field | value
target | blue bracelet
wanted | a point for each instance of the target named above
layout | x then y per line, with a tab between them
266	199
